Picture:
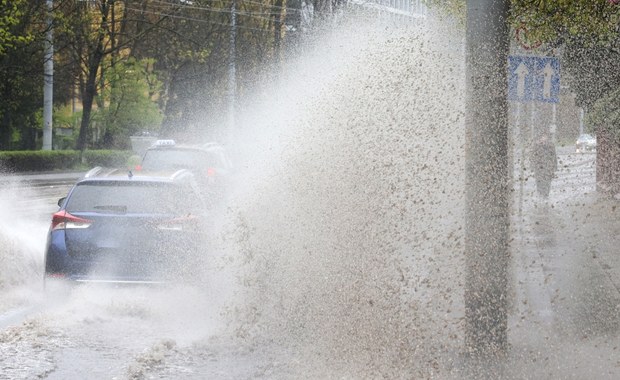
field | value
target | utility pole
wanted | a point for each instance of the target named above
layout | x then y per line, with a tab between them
48	80
487	179
232	72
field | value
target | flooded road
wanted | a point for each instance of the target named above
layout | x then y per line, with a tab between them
340	255
185	332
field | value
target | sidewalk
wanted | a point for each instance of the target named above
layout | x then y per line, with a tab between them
565	321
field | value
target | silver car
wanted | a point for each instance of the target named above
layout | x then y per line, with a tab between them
585	143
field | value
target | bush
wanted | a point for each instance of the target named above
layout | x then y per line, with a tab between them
19	161
27	161
107	158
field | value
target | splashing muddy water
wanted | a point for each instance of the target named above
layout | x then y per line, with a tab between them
350	223
340	249
339	253
21	239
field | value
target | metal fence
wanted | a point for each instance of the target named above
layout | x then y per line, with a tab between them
403	8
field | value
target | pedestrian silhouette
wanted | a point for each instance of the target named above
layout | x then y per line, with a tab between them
544	162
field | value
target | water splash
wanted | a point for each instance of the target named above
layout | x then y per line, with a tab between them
348	217
22	239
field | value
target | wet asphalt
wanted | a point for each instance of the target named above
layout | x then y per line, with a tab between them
565	320
565	295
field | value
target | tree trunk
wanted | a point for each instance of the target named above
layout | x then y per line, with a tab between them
90	88
607	163
90	91
5	132
277	30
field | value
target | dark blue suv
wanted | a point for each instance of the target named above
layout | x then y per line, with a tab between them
119	226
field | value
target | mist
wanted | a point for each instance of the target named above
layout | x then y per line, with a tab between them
338	250
347	223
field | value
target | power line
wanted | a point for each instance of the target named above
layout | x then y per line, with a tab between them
197	7
238	13
251	15
175	16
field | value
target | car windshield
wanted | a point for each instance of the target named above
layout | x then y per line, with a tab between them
171	159
132	197
585	137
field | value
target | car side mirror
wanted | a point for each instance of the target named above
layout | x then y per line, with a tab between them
61	201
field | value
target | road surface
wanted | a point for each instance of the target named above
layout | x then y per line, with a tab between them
564	296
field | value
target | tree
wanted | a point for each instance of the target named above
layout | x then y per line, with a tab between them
96	35
190	41
576	26
603	119
193	50
585	34
12	15
130	108
21	67
590	68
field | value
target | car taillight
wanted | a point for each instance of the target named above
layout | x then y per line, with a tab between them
63	220
179	224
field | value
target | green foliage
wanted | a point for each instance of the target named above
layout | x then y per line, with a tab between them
589	69
64	117
108	158
587	32
605	115
11	13
24	161
20	75
133	161
548	21
130	107
111	44
453	8
65	120
38	160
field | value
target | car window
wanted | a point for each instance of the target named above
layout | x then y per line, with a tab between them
172	159
132	197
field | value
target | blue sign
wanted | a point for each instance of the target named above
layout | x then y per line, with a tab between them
533	79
